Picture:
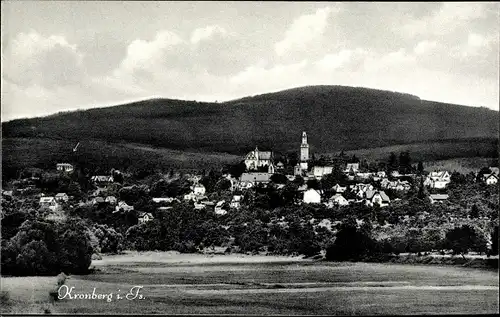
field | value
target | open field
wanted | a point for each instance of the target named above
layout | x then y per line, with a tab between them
466	150
237	284
463	165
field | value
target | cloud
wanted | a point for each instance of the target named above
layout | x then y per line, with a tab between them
424	47
32	59
304	30
205	33
446	19
341	59
147	55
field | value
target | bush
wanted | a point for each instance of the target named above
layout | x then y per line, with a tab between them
351	244
42	248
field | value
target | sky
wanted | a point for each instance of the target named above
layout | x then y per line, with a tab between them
61	56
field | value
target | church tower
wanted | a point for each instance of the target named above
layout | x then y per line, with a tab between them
304	152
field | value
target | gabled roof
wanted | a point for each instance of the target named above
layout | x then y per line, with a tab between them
143	214
61	195
46	199
255	177
371	193
439	196
337	196
265	155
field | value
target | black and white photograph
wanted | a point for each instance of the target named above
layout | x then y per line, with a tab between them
268	158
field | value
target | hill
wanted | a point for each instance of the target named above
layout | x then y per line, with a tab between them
335	117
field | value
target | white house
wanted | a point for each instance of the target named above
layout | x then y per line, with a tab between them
111	200
438	198
123	205
145	217
255	159
312	196
337	200
164	199
320	171
255	178
62	197
49	202
490	179
64	167
102	179
438	179
236	202
338	189
218	208
198	189
373	197
361	188
352	166
98	200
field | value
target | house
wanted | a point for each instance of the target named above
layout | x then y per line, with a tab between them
354	167
280	166
395	174
102	179
338	189
320	171
302	188
190	196
255	159
438	179
49	202
490	179
62	197
364	175
164	200
145	217
236	202
361	188
198	189
64	167
7	193
219	208
337	200
381	174
97	201
123	206
111	200
312	196
373	197
438	198
255	178
396	185
198	206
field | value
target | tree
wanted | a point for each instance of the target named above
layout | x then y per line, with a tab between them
393	162
405	162
494	241
474	212
464	239
237	169
420	168
350	244
279	179
313	183
299	180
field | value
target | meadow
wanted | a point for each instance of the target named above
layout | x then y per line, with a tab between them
241	284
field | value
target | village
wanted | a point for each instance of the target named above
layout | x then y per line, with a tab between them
261	169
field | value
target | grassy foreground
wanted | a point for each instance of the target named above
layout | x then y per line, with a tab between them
242	284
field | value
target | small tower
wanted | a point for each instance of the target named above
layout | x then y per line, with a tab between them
304	152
